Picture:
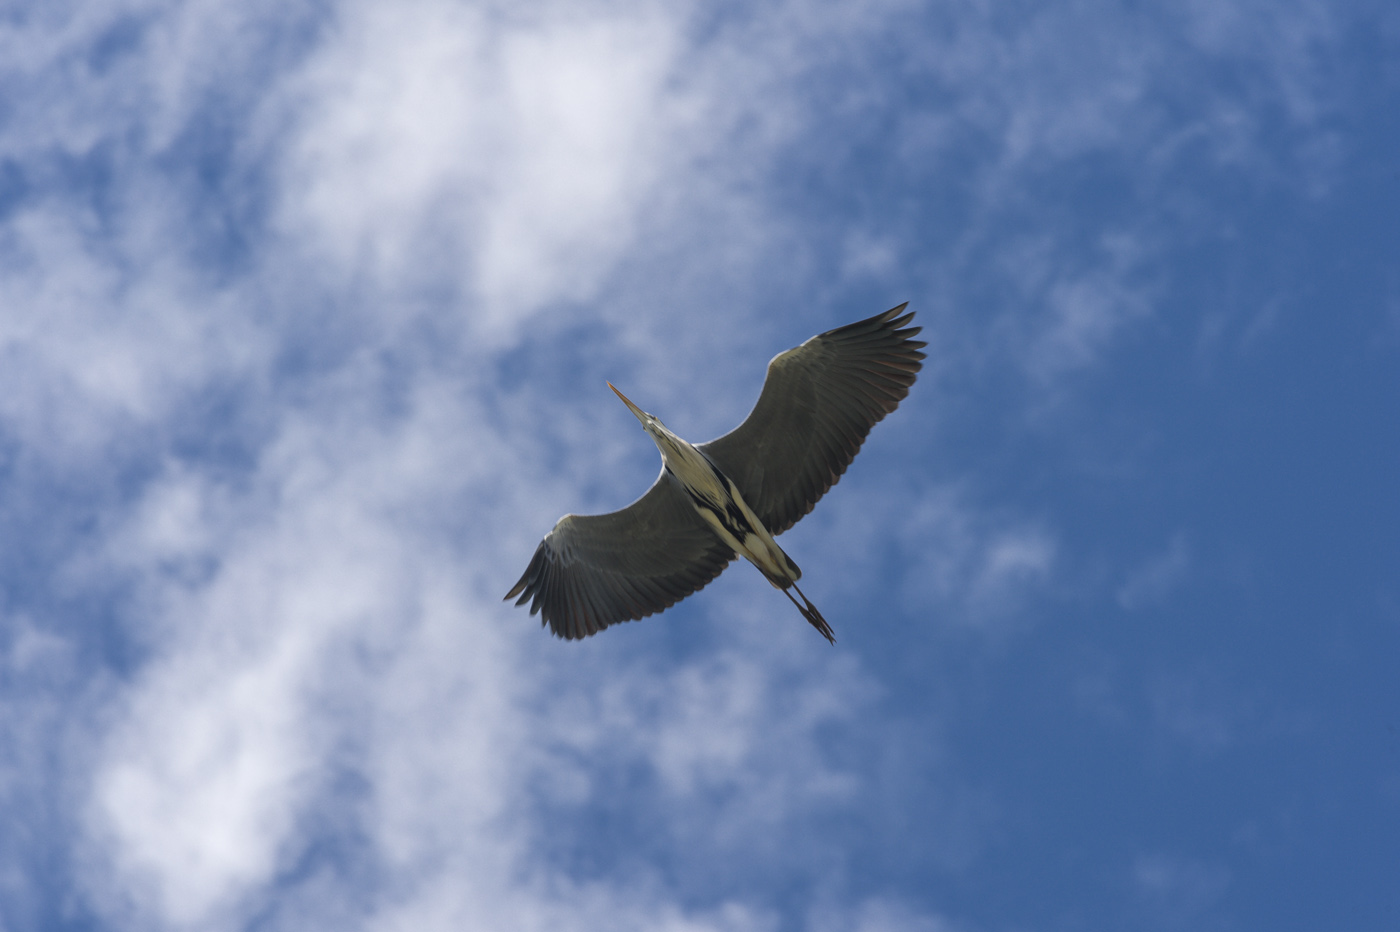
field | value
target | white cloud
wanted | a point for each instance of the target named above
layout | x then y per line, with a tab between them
91	351
506	154
218	743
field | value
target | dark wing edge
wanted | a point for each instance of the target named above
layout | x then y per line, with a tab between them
818	403
592	571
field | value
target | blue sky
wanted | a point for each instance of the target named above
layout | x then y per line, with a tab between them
305	315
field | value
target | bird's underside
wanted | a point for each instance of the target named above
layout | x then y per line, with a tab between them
818	403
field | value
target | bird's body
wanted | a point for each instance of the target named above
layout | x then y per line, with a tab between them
723	507
728	497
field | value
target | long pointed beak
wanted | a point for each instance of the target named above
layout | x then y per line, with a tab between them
641	415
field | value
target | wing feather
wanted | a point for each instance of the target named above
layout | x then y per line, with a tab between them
818	403
592	571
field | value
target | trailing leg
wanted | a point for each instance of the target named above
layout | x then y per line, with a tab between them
809	612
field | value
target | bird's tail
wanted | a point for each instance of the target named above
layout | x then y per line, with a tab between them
809	612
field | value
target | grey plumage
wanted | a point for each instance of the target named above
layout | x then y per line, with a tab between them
818	403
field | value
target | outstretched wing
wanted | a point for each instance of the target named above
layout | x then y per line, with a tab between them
818	403
592	571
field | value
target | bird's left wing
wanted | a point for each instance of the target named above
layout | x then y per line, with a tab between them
592	571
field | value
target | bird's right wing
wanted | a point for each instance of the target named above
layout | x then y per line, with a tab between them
592	571
818	402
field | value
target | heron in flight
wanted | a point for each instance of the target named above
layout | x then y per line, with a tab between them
729	497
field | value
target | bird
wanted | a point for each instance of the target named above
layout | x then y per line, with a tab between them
731	496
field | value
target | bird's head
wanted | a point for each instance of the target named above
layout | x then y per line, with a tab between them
650	422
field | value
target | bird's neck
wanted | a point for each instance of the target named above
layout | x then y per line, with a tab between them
682	459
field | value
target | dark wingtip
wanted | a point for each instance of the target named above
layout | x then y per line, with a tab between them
527	578
881	323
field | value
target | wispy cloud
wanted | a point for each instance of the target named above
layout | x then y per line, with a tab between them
1179	892
981	566
1151	582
